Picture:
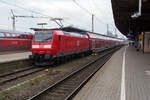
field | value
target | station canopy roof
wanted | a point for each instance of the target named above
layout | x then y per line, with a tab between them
124	9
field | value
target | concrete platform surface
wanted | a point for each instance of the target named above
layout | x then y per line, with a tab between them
126	76
14	57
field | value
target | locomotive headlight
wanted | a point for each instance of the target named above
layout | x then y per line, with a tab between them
47	46
35	46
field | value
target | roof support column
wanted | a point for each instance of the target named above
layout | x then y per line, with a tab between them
137	14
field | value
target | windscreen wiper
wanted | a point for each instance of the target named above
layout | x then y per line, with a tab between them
47	39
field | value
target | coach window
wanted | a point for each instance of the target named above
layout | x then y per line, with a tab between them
18	36
2	35
27	37
8	35
23	36
13	35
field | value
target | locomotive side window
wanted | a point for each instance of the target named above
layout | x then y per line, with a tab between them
42	36
75	34
2	35
59	37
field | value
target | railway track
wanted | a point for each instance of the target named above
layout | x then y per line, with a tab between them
16	71
68	86
9	77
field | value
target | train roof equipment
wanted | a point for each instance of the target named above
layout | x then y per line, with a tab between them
74	29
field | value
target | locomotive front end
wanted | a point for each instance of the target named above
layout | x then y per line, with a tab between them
42	48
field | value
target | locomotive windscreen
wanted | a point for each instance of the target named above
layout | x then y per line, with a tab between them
43	36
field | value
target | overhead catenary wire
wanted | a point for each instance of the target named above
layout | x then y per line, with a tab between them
96	6
36	12
2	1
81	7
72	16
86	10
32	11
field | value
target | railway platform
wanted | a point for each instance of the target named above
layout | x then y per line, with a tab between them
126	76
14	57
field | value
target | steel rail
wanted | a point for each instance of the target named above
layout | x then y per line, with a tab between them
51	87
17	71
20	76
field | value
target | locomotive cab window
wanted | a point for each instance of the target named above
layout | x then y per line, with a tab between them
43	36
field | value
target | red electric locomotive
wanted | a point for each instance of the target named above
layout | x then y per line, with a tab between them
48	45
14	41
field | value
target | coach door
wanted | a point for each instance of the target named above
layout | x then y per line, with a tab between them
93	44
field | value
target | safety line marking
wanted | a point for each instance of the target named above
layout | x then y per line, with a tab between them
123	91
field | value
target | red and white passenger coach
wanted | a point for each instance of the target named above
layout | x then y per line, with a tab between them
14	41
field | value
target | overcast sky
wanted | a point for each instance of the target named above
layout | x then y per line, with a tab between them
66	9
